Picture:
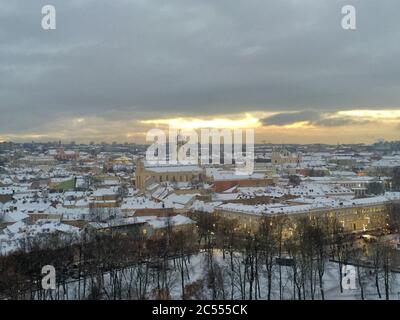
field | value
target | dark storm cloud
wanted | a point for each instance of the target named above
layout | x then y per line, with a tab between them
336	122
282	119
311	117
138	59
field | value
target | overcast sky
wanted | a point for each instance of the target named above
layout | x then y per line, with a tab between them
111	67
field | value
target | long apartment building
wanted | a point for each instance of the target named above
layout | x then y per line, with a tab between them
356	215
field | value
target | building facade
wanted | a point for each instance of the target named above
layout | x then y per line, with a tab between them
147	175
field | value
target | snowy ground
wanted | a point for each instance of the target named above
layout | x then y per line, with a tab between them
197	267
331	282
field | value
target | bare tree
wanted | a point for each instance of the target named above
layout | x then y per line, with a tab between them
341	243
269	240
376	255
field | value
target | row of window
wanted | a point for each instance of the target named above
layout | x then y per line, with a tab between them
182	178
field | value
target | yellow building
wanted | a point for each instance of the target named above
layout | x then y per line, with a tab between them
147	175
280	157
353	218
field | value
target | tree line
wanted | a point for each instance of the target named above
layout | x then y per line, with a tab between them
282	259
